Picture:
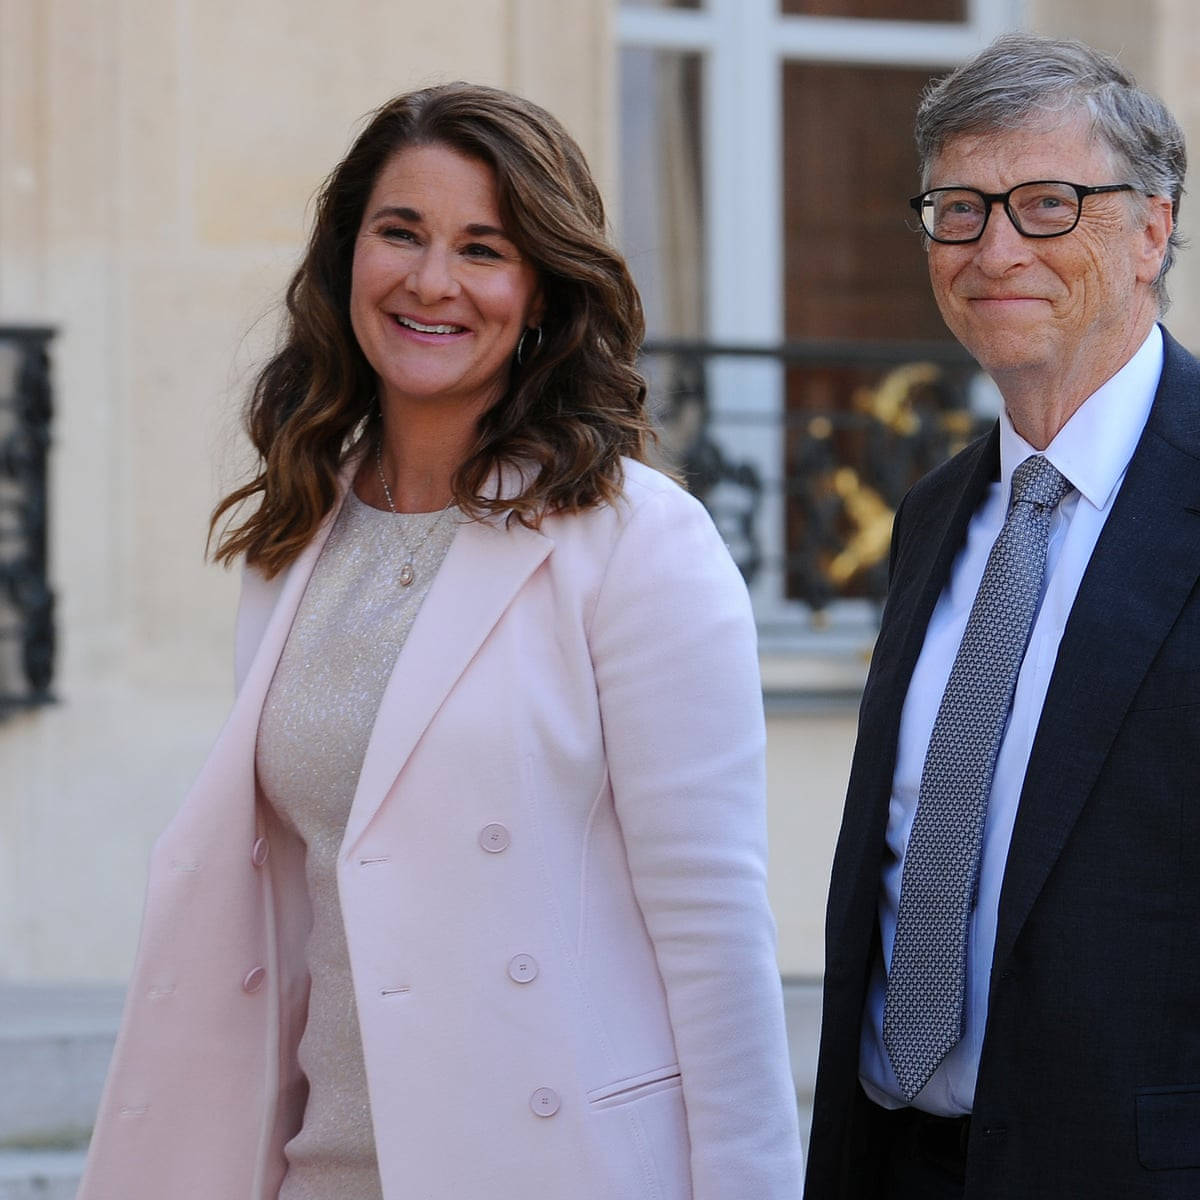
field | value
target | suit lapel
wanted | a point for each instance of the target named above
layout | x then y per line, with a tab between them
931	529
485	568
925	557
1145	565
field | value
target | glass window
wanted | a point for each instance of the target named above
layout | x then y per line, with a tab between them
879	10
854	266
855	271
662	209
662	3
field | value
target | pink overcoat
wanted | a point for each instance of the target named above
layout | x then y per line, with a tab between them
552	881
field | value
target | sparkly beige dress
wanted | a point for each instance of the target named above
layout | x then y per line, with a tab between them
317	719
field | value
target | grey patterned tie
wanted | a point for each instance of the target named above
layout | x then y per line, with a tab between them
923	1012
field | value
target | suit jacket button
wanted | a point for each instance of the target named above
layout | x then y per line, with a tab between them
523	968
254	979
494	838
544	1102
258	855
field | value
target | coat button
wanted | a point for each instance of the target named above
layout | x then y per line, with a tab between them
254	979
523	968
544	1102
262	848
494	838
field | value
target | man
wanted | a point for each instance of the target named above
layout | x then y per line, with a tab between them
1012	993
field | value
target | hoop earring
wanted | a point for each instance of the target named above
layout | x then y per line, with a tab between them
537	329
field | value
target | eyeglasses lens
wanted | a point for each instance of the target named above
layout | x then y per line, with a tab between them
1036	209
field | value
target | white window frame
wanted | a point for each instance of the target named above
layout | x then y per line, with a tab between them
745	44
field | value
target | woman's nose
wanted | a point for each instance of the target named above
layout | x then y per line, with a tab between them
432	277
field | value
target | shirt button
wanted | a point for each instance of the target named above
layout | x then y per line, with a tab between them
254	979
544	1102
523	968
258	855
494	838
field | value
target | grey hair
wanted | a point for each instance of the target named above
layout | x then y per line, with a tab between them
1022	77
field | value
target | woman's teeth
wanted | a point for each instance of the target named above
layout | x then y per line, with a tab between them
409	323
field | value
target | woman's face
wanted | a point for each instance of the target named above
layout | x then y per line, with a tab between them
439	295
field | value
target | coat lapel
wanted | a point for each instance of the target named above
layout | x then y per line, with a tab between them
265	618
257	593
486	566
1145	565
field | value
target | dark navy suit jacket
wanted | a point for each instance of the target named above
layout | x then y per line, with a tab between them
1089	1080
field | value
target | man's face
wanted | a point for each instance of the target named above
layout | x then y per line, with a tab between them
1023	304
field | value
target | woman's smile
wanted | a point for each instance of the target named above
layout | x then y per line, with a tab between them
441	330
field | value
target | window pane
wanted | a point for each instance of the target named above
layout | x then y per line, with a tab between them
661	197
854	266
880	10
662	3
855	271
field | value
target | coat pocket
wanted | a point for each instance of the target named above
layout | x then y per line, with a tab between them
1168	1127
1167	689
635	1087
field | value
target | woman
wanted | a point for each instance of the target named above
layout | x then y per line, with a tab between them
468	901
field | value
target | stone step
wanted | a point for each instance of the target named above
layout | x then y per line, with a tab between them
55	1043
40	1174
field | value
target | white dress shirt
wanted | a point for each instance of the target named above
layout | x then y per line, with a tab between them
1092	450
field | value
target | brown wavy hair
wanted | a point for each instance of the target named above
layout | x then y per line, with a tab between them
570	412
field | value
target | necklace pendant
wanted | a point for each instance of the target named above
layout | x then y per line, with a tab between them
407	574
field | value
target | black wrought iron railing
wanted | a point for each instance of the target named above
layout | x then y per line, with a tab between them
802	451
26	601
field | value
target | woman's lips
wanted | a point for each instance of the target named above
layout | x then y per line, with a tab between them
439	329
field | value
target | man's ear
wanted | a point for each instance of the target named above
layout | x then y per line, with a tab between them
1157	232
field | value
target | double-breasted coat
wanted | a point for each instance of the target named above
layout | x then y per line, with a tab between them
552	883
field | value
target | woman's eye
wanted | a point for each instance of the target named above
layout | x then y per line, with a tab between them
396	233
480	250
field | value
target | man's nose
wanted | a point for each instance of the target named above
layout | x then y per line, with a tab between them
1001	246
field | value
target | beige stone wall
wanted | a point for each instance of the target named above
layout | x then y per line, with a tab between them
156	165
808	763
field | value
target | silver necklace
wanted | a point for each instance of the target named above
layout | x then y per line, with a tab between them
407	571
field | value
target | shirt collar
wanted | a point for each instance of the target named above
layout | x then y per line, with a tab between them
1094	447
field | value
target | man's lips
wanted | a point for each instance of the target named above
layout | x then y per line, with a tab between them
1008	299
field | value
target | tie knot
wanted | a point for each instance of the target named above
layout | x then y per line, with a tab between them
1038	481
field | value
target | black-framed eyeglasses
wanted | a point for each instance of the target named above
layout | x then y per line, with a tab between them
1044	208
